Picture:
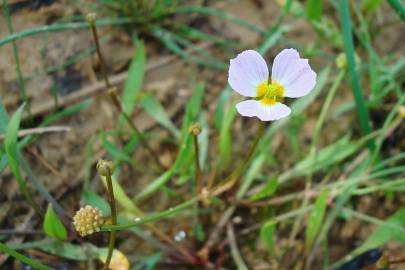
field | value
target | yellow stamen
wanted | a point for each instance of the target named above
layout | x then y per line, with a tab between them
270	94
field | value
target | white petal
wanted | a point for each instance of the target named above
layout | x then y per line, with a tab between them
294	73
282	62
264	112
246	72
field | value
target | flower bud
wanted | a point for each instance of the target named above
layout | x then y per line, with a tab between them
104	167
88	220
91	17
195	129
341	61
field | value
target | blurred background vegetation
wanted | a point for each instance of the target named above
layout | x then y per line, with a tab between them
323	186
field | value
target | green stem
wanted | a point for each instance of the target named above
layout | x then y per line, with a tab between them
21	80
111	200
198	174
351	64
37	265
398	7
151	218
61	27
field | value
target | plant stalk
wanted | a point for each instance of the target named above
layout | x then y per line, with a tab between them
113	96
111	200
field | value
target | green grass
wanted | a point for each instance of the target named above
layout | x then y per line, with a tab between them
337	141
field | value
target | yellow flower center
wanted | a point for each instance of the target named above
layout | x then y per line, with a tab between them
270	93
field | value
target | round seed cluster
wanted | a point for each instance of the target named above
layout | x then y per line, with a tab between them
88	220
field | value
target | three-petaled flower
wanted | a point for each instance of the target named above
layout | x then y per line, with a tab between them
291	76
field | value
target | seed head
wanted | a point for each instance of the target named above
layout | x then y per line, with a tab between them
195	129
104	167
88	220
91	17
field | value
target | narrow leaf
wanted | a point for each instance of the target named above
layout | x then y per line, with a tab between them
268	190
133	83
267	234
316	218
157	112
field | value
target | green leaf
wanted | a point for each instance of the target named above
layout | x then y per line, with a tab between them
10	145
268	190
133	83
326	157
114	150
84	252
315	219
362	112
157	112
148	263
121	197
371	5
96	200
53	226
225	138
266	234
386	232
314	9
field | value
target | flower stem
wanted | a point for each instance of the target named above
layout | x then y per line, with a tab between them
198	174
229	181
112	93
111	200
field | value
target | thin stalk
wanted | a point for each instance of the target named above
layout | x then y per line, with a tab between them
112	93
198	174
111	200
351	65
229	181
21	80
142	219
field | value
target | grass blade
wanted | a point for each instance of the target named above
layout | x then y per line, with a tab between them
10	145
351	64
314	10
133	83
398	7
315	219
157	112
37	265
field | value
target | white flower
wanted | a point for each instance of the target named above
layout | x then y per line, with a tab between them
249	76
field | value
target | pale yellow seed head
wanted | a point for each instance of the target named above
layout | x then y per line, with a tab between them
195	129
91	17
88	220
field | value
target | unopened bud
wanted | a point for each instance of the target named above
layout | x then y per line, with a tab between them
91	17
104	167
195	129
341	61
88	220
